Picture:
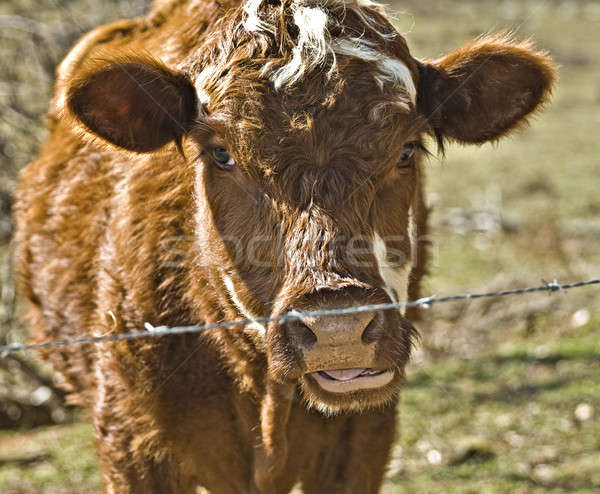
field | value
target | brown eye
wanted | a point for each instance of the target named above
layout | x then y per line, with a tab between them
408	151
222	158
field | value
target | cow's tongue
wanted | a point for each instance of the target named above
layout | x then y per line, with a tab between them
344	374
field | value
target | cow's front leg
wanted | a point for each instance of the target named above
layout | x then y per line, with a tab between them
132	468
356	462
270	455
134	453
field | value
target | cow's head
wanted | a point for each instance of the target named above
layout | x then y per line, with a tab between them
305	124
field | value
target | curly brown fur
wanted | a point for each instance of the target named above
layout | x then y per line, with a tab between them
318	210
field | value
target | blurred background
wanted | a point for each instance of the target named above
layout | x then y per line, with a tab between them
503	395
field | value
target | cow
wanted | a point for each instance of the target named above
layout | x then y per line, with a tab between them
237	160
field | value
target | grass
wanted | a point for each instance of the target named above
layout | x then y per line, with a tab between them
504	421
51	460
492	394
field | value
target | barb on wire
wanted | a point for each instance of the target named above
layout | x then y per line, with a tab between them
156	331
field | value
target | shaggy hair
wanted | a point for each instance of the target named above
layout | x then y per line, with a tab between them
218	160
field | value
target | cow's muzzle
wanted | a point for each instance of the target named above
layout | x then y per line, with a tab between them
343	359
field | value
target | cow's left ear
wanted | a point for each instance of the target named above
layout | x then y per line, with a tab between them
483	90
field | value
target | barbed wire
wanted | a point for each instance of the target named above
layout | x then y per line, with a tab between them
158	331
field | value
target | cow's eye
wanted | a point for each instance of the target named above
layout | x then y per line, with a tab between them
222	158
408	151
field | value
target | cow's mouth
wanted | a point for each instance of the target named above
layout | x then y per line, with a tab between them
347	380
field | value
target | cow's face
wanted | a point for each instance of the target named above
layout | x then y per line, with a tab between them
305	126
309	190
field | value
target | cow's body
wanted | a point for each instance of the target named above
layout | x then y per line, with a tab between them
85	214
107	241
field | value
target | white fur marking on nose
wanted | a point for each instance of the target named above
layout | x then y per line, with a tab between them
412	235
394	278
242	308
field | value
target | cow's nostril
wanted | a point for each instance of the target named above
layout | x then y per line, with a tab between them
301	335
373	330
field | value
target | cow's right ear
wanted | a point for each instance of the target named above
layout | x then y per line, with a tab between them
485	89
136	103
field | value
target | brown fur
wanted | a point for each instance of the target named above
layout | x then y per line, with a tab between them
109	239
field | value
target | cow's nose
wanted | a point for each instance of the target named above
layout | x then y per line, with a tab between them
340	330
332	342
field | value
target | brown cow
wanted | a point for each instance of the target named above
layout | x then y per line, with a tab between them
219	161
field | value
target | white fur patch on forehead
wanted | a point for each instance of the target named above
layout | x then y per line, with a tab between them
312	47
201	82
253	22
389	70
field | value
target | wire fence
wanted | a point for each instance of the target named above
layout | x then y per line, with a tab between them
159	331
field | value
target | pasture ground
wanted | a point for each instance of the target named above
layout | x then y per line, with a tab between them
503	395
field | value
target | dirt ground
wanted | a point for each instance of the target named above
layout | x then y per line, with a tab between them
503	395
